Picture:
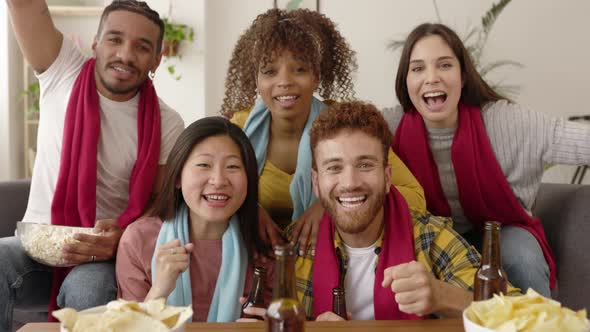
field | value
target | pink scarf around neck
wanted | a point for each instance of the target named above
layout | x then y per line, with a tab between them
397	248
74	200
484	192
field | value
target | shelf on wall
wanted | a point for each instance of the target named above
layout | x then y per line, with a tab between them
76	10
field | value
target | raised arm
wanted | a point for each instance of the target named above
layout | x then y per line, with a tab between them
38	38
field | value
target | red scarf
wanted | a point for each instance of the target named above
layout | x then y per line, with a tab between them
484	191
397	248
74	200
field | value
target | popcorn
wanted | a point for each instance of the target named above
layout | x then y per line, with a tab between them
44	243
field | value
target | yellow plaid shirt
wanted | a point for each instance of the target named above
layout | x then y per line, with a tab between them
444	253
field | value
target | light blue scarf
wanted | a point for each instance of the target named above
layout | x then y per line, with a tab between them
225	306
257	128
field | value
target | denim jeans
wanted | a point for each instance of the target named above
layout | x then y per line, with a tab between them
522	258
26	284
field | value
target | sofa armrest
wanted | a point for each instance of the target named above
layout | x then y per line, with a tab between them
14	196
564	210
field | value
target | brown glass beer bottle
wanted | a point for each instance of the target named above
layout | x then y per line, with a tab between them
490	279
285	313
256	294
339	302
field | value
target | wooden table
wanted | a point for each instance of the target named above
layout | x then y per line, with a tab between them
439	325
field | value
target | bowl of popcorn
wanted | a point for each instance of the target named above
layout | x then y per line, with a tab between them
528	312
44	242
126	316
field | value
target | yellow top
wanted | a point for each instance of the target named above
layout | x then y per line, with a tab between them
274	195
273	185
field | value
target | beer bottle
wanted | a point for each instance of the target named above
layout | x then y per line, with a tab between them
490	279
256	294
285	313
339	302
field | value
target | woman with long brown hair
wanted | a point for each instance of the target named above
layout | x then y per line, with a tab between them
478	155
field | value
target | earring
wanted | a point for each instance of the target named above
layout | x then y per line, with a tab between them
152	74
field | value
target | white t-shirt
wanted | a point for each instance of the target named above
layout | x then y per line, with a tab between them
117	147
359	282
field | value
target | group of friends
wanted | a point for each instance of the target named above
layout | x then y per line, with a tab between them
388	202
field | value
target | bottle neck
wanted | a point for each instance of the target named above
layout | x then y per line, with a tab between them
491	255
339	299
256	289
284	283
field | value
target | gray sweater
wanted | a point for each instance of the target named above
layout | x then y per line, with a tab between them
524	143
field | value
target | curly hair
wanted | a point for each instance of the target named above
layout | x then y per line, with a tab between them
311	37
355	115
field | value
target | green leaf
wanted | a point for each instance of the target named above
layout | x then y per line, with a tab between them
486	69
508	90
394	45
177	32
171	69
488	20
293	4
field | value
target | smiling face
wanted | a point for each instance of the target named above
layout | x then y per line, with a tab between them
213	180
125	52
434	82
351	180
286	86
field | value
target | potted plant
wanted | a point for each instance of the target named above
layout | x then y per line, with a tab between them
175	33
33	94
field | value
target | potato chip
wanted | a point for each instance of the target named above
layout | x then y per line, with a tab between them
529	312
127	316
67	316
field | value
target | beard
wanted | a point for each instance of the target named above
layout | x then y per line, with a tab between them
118	89
353	222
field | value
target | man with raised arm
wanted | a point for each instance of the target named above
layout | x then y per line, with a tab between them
103	140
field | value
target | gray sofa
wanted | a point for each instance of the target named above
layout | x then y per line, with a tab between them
13	203
564	209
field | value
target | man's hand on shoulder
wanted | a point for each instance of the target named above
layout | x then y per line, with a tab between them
103	245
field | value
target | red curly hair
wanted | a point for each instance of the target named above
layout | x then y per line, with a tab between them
355	115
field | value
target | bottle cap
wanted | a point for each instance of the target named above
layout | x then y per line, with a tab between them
338	291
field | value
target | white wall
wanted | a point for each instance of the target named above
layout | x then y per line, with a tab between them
187	95
225	22
4	141
11	116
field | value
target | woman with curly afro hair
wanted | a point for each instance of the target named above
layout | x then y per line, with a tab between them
277	65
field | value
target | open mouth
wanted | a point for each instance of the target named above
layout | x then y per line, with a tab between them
286	100
216	198
434	99
352	202
123	71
